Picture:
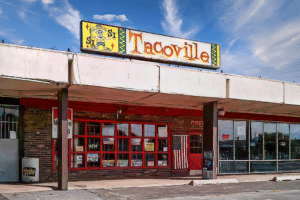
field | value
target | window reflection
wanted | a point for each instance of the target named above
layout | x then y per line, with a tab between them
241	140
283	141
136	130
226	139
295	141
270	141
256	141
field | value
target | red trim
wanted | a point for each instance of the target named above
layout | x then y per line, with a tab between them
260	117
110	108
138	110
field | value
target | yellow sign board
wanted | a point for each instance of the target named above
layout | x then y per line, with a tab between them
123	42
100	37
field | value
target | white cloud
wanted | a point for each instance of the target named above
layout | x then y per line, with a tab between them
22	14
172	22
48	1
111	17
0	10
269	39
18	42
65	15
2	33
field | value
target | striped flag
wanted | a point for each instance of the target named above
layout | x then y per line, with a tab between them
180	151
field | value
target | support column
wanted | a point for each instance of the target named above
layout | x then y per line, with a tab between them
62	141
210	132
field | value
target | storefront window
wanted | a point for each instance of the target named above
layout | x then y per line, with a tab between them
283	141
149	130
136	160
97	144
295	141
270	141
263	166
9	117
108	129
136	144
108	160
226	139
123	130
240	140
273	146
93	144
136	130
108	144
149	160
256	141
93	128
123	159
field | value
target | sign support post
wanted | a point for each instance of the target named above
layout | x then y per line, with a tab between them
63	139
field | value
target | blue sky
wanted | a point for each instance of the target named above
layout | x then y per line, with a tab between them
259	38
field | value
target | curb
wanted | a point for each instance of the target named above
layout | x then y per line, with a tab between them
212	182
285	178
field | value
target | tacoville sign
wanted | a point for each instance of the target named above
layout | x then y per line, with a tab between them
118	41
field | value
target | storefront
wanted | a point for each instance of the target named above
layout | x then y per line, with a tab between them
259	146
120	118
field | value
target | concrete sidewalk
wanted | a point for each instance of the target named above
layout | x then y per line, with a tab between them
33	187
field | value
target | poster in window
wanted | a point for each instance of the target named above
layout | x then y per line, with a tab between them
108	140
163	131
135	142
136	163
79	159
12	135
149	147
241	131
55	122
122	163
150	163
162	163
79	148
108	163
92	157
225	137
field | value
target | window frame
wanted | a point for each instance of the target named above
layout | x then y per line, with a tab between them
116	151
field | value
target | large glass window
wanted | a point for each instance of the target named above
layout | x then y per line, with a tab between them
97	144
273	146
226	139
9	117
295	141
240	140
256	141
283	141
270	141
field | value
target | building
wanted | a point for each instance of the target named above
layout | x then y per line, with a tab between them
132	118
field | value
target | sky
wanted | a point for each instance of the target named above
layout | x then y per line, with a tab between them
258	38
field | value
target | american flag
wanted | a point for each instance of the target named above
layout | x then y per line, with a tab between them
180	151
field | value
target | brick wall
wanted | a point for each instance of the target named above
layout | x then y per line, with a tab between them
37	139
37	127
